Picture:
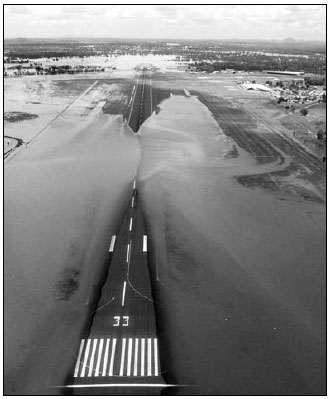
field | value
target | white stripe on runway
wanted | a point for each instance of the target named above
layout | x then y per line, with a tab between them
156	356
144	243
134	185
82	374
91	362
128	251
130	224
113	351
142	357
117	385
149	356
122	362
124	292
105	361
112	243
132	202
99	356
129	357
136	356
76	370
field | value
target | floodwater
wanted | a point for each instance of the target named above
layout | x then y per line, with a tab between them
241	287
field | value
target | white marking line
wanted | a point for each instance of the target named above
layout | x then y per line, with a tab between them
130	115
112	243
142	357
124	292
129	356
118	385
128	252
156	356
76	370
149	356
122	362
136	356
132	202
113	350
144	243
105	361
134	185
99	356
82	374
112	358
91	362
130	224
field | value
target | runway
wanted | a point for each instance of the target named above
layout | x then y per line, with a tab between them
140	104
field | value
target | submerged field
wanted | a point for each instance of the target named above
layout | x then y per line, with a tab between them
237	223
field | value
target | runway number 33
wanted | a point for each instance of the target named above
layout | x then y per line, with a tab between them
118	321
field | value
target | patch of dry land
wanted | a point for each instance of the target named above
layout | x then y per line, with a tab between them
239	271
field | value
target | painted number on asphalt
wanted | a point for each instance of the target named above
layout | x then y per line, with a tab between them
118	322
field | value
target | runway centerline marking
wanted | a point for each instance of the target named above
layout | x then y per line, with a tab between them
144	244
128	252
130	224
132	201
134	184
112	243
124	292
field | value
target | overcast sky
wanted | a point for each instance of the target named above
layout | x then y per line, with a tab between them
307	22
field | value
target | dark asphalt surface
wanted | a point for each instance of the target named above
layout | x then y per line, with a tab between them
141	104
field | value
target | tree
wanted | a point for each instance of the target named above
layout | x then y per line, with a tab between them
303	111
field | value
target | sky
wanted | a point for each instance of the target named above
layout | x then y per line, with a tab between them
306	22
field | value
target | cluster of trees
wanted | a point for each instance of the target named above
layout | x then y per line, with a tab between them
259	62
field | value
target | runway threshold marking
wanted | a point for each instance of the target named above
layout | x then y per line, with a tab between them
156	355
144	244
122	362
142	357
113	351
91	362
76	370
124	292
149	356
129	356
85	359
112	243
138	357
105	360
99	355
